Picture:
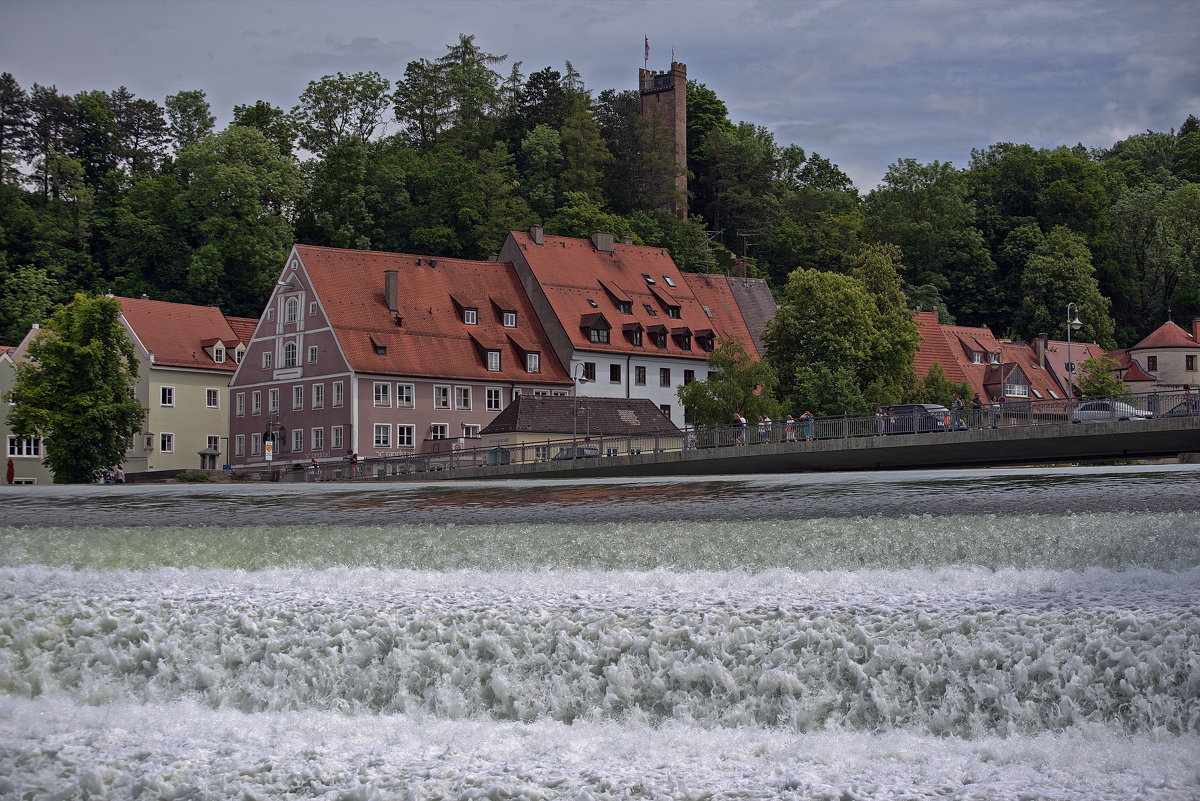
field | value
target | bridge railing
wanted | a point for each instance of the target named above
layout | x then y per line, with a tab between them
582	449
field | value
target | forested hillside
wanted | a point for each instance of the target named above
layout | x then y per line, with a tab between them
103	191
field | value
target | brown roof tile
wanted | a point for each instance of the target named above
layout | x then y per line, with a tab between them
743	321
173	332
549	414
1167	335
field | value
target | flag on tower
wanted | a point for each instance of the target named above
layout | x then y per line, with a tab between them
647	48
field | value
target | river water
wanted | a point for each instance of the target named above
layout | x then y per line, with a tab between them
984	634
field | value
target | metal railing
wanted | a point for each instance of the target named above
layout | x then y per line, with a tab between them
581	450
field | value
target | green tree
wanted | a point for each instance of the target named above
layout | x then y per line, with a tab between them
142	134
737	382
422	103
584	152
1060	272
580	215
1097	378
190	117
50	116
541	155
14	126
77	390
935	387
27	293
340	107
473	88
889	368
271	121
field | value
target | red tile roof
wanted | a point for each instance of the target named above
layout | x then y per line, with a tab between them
173	332
571	272
1167	335
243	327
716	295
433	341
547	414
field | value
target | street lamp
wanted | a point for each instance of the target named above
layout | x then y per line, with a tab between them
1072	325
576	375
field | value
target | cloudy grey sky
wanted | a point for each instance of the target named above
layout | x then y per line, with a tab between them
862	82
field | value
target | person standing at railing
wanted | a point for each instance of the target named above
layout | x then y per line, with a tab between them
739	429
764	428
789	429
976	412
956	411
807	420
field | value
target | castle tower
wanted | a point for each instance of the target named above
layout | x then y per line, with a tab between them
665	94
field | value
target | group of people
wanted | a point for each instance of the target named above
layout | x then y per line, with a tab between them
765	428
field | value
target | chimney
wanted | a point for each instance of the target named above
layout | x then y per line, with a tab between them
1042	339
1196	329
535	233
391	287
603	241
626	240
739	268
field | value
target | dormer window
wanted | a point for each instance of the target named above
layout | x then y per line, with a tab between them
625	307
598	335
673	312
219	354
470	316
533	363
706	344
493	361
685	341
649	280
635	337
238	354
667	278
509	319
976	357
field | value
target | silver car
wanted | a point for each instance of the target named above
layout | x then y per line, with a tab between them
1102	411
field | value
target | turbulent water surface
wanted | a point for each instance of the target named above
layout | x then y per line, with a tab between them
1000	634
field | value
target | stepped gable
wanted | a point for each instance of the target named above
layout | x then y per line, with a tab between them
178	333
608	417
579	279
741	307
1167	335
428	338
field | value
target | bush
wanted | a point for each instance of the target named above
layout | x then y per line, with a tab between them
193	478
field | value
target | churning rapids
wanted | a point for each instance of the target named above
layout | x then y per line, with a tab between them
998	634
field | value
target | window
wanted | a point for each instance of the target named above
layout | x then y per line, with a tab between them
212	399
639	376
266	360
256	402
272	401
214	442
673	311
508	319
441	397
31	446
219	353
289	355
470	430
1016	390
541	452
665	408
664	376
667	278
589	371
291	311
405	396
239	445
635	337
470	316
297	440
383	394
559	393
614	373
660	339
238	354
598	335
1189	362
338	394
316	438
541	392
462	398
255	444
1151	363
335	438
270	315
706	344
318	400
405	436
297	398
383	435
685	342
993	358
239	405
649	280
976	357
493	361
312	354
312	307
166	443
625	306
688	377
380	350
166	396
533	362
493	397
439	431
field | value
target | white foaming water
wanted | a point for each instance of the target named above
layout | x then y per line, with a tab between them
975	656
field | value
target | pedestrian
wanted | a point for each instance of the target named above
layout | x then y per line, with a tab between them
878	421
789	429
956	409
120	474
807	420
764	428
976	412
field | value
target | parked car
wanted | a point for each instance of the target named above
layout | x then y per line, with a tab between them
909	417
577	452
1183	409
1100	411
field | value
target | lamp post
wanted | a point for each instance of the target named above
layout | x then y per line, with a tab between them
577	376
1072	325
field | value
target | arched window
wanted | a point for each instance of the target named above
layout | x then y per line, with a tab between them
293	311
289	354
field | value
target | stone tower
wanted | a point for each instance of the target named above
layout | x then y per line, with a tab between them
665	94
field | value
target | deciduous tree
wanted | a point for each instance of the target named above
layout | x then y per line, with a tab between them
737	382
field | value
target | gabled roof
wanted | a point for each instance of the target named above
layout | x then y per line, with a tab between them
1167	335
174	332
550	414
243	328
573	274
432	340
735	307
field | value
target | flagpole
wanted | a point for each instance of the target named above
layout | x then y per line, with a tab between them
646	61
